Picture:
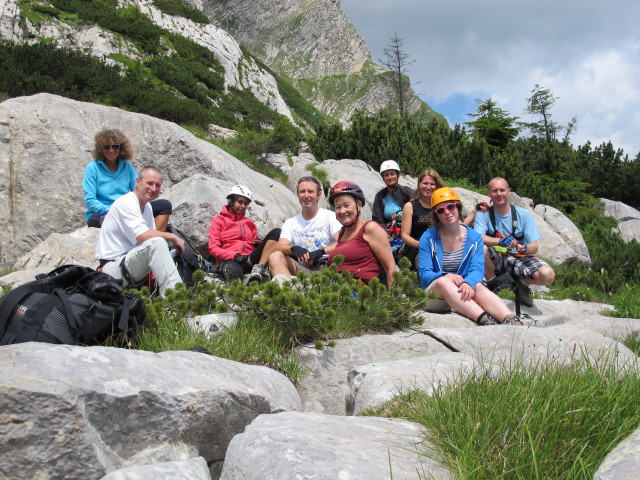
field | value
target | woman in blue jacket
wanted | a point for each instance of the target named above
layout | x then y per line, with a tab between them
110	176
451	264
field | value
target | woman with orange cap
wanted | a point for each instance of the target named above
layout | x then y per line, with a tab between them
451	264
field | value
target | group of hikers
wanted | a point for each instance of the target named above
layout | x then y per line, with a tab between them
452	255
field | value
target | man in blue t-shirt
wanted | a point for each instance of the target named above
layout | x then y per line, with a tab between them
518	236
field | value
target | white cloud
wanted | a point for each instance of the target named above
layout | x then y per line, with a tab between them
584	52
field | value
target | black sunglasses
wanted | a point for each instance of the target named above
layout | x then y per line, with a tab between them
115	146
451	207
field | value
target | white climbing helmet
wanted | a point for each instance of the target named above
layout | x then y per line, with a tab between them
240	190
389	165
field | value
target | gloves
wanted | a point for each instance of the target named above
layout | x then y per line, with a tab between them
506	241
298	251
316	255
241	259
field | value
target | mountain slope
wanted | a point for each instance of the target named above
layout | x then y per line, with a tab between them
313	43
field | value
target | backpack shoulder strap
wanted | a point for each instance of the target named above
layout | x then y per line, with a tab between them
492	219
9	302
514	221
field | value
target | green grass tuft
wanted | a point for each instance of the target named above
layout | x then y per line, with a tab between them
559	422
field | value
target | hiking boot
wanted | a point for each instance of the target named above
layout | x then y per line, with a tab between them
523	294
485	319
256	274
512	319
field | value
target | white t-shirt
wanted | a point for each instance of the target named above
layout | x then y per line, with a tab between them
122	226
314	234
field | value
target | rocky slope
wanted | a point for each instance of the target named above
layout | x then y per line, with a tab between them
240	71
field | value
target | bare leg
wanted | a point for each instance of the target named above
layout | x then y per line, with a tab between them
448	290
279	264
543	276
268	249
490	302
161	222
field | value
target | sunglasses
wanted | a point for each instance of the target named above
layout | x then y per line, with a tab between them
451	207
111	147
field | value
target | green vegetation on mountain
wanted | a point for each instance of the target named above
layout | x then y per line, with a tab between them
172	78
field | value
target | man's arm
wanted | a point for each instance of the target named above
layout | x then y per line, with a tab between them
175	240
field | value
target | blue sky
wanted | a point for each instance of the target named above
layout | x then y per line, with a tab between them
586	52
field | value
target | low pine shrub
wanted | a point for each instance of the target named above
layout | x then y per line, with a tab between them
274	319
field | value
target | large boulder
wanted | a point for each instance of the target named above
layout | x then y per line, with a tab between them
83	412
46	141
295	445
628	219
623	462
564	227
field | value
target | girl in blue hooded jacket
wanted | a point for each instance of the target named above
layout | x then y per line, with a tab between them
451	264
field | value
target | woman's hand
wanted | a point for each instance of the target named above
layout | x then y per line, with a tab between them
456	279
466	292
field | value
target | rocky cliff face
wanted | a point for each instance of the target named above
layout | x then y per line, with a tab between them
313	43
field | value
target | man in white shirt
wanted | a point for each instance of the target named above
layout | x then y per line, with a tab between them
308	236
129	246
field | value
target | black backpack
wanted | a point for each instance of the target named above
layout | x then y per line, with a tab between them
189	261
70	305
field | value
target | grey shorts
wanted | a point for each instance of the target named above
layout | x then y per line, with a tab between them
520	267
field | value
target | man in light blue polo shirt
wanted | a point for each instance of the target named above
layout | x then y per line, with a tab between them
514	229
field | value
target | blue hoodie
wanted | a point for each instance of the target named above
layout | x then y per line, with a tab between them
430	258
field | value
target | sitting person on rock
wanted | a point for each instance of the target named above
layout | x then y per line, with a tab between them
129	246
416	213
110	176
307	237
234	240
451	264
390	200
364	245
512	229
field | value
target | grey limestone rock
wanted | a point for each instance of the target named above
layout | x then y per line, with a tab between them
374	384
85	411
311	445
564	227
326	387
193	469
528	346
623	463
628	219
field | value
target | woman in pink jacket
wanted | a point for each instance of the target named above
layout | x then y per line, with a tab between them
234	241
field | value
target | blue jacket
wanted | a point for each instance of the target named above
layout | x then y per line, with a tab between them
430	258
103	187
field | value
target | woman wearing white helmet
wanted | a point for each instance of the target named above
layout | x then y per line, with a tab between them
390	200
234	242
